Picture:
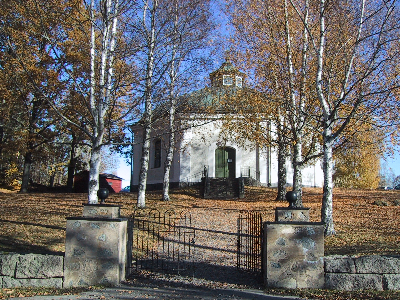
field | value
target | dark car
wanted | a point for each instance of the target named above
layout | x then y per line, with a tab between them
126	189
385	188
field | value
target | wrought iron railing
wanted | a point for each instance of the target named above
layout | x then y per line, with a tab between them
249	241
194	179
249	172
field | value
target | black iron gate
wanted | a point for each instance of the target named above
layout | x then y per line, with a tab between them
165	241
162	241
249	241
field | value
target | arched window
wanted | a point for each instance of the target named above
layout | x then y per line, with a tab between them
157	153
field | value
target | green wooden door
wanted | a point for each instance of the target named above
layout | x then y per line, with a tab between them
225	161
221	166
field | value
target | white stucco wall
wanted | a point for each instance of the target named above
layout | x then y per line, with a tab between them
312	176
204	140
195	149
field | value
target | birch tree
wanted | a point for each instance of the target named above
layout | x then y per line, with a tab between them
102	88
345	69
98	101
100	93
354	53
189	34
86	49
271	40
151	30
164	29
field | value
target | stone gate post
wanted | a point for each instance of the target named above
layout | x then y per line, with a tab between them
97	247
293	250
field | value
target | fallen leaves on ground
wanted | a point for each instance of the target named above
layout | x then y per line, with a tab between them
36	222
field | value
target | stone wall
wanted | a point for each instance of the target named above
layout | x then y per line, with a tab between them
341	272
31	270
362	273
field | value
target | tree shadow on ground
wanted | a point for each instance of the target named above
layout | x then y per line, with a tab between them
200	274
11	244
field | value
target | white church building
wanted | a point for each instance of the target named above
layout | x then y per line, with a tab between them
200	146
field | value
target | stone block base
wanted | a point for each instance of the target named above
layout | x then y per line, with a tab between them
31	270
292	214
371	272
101	211
9	282
353	282
96	251
391	282
293	255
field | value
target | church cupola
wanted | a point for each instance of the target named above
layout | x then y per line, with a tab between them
227	76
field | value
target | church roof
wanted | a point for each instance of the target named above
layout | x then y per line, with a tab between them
227	71
215	99
226	92
226	68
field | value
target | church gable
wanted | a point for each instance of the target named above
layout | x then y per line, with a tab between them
227	76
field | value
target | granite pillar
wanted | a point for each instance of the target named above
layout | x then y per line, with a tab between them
97	248
293	250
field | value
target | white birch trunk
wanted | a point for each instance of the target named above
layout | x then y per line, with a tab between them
170	152
297	174
281	172
298	156
92	58
144	166
110	70
327	203
147	117
94	171
172	100
100	107
171	139
94	165
282	155
295	115
326	210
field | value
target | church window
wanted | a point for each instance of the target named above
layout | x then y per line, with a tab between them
157	154
239	81
227	80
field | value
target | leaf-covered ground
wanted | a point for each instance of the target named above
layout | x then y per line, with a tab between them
366	222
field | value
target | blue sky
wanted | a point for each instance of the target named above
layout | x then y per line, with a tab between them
392	163
124	171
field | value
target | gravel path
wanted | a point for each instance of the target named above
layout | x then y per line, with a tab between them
213	255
